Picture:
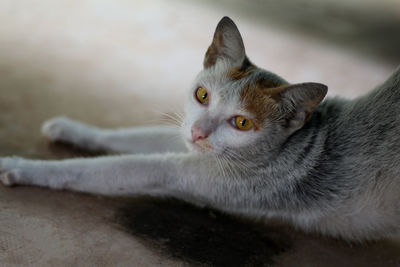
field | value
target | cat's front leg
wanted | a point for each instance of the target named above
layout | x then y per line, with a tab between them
147	140
190	177
113	175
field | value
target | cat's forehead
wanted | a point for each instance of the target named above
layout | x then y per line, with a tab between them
224	79
244	88
230	82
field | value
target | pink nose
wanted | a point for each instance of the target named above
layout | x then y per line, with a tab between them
198	134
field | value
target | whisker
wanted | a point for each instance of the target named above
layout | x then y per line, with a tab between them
181	116
220	166
168	122
231	168
239	161
172	117
176	116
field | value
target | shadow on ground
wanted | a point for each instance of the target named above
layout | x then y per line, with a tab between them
202	235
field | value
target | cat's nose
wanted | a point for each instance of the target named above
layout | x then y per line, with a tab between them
198	134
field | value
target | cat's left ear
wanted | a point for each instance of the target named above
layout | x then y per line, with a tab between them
227	43
298	101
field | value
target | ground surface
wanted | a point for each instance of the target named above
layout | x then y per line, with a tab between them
110	63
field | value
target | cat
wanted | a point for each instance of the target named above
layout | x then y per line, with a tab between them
251	144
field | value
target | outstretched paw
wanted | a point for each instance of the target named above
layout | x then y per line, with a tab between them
57	129
8	178
70	131
9	174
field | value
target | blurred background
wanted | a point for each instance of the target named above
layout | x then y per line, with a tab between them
119	62
149	51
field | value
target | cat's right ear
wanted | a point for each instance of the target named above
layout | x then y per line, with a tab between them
227	44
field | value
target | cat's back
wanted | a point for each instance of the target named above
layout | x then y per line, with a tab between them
370	125
380	102
362	151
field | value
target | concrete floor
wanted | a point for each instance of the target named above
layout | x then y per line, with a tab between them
110	63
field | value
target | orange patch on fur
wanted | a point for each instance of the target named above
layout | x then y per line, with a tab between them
238	73
261	99
242	71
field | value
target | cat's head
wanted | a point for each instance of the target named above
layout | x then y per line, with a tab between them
234	105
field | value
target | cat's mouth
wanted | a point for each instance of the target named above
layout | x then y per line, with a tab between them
202	146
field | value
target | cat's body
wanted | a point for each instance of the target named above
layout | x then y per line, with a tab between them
255	146
344	164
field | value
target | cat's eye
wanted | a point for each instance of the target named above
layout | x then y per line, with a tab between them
202	95
242	123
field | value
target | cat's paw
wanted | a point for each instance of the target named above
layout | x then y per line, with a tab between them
71	131
9	178
9	172
57	129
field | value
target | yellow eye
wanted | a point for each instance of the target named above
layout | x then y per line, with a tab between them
243	123
202	95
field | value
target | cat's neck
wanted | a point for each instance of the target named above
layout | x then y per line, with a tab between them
317	132
306	164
